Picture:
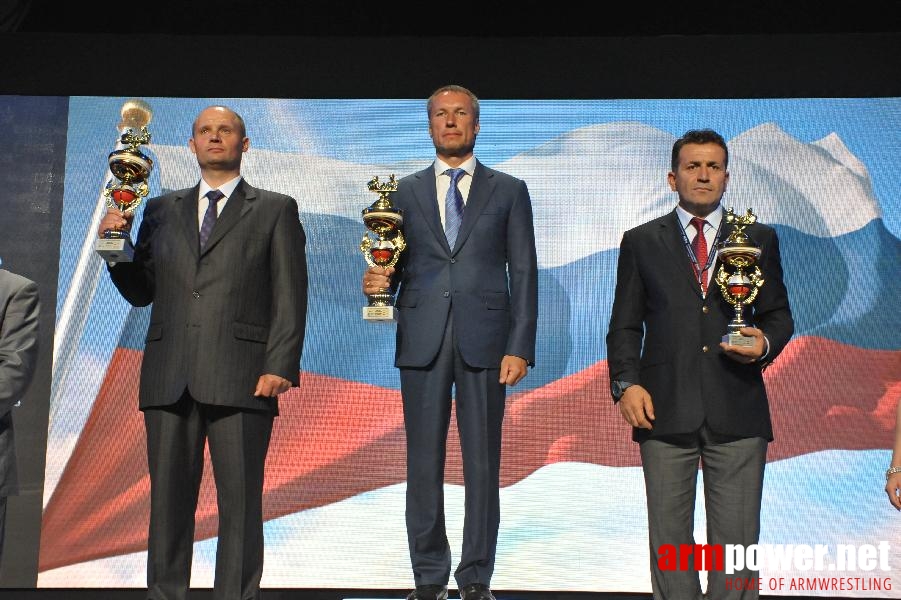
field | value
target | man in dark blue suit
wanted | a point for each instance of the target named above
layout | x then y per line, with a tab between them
689	397
467	310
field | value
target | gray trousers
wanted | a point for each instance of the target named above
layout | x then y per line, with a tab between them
733	486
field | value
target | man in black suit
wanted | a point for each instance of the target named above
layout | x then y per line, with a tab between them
225	339
688	396
19	311
467	310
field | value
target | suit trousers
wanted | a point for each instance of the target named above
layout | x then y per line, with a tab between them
238	443
733	471
479	402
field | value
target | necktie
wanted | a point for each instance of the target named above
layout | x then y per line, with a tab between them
699	247
209	218
453	207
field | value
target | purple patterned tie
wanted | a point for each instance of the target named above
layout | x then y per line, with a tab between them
453	207
209	219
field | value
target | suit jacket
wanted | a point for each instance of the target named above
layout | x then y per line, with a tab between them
19	310
223	317
665	336
489	281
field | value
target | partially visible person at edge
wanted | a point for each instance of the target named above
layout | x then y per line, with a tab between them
690	398
467	310
225	339
893	474
20	307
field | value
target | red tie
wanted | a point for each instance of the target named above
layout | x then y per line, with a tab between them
699	247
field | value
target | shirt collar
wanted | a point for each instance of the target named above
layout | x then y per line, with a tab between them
468	165
713	219
226	188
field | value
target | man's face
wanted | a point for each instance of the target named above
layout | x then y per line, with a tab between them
700	179
218	140
453	125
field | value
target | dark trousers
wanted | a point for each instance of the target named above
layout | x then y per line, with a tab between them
427	397
733	488
238	442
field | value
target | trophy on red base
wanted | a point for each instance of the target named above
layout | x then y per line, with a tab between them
738	286
385	221
131	168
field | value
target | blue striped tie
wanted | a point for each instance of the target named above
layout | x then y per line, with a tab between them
209	218
453	207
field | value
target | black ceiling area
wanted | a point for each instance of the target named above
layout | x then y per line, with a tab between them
486	18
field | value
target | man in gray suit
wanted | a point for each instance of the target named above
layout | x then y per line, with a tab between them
467	315
689	397
19	309
224	265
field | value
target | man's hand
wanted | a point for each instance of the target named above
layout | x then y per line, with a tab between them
636	407
377	280
115	219
513	368
747	354
271	385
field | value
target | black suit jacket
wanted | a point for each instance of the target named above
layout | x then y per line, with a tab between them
489	280
220	318
665	336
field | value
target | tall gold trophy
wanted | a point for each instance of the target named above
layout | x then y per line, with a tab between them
738	285
131	168
385	221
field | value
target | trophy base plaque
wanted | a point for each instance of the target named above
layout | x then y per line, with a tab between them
115	249
737	339
379	313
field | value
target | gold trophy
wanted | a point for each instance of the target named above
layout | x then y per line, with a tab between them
739	287
132	169
385	222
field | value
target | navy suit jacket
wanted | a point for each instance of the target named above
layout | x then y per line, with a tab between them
224	317
489	281
664	335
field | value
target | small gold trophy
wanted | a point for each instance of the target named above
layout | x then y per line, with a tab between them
738	287
385	222
132	169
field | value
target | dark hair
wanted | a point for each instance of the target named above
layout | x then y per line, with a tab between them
698	136
454	88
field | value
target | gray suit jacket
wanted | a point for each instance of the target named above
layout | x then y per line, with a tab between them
19	309
489	281
222	318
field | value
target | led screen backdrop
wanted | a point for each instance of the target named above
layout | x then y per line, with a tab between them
825	172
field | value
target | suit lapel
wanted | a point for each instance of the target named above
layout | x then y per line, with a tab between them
190	224
240	202
479	194
426	194
671	238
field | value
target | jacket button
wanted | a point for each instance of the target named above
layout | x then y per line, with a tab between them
705	349
453	261
447	294
705	309
195	294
